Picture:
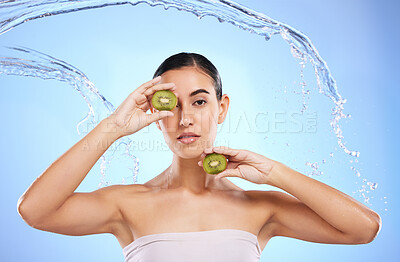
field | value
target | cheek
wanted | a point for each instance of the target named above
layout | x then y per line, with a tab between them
208	122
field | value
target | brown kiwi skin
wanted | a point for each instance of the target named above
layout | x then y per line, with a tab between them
218	172
176	101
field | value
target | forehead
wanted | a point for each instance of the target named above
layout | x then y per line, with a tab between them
188	79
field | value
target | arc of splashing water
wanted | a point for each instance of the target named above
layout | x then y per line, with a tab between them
16	13
37	64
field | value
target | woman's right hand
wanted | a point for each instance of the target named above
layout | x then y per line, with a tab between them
131	115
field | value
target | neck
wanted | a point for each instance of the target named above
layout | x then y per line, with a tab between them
187	175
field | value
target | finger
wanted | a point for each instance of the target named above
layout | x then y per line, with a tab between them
229	173
148	84
200	163
158	115
235	155
138	92
204	154
226	150
165	86
207	151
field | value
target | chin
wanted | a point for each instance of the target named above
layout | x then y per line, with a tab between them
189	151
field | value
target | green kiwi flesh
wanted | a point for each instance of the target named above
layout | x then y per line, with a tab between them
164	100
214	163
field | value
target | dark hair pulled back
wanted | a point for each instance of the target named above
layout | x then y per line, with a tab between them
192	60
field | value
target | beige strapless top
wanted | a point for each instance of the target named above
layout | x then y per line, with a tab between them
219	245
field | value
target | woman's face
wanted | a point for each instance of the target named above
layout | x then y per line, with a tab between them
197	111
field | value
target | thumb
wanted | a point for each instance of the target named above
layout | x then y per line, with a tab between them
228	173
158	115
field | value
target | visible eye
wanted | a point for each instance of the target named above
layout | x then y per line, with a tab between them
201	100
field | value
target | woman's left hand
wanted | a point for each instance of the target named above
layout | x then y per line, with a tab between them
243	163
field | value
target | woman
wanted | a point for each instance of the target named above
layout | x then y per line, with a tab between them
185	213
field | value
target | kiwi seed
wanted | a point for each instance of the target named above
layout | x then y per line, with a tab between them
164	100
214	163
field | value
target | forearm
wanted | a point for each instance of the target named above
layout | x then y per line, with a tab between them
338	209
59	181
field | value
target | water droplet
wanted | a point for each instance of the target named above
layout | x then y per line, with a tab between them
314	167
373	186
355	153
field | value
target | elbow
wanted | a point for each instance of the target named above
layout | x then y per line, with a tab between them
25	214
21	209
372	231
376	227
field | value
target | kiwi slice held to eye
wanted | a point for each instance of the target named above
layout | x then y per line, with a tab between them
214	163
164	100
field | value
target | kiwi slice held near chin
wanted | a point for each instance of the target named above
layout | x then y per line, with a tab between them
214	163
164	100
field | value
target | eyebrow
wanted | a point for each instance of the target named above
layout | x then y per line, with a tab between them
198	91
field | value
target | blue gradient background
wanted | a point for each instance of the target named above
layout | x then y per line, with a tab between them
119	48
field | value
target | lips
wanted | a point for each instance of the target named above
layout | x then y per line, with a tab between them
187	135
188	138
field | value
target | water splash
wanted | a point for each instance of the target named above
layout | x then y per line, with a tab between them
314	166
35	64
14	13
17	12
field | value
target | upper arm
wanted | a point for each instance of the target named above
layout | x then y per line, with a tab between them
292	218
85	213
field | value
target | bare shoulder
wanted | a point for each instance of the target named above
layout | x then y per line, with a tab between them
275	199
270	200
276	204
263	201
264	196
128	199
262	206
119	195
115	192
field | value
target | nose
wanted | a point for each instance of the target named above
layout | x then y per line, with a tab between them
186	118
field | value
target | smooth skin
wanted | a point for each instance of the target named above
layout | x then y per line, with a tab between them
183	198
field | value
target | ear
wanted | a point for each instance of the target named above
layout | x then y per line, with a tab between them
153	110
223	108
